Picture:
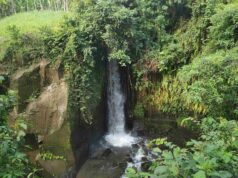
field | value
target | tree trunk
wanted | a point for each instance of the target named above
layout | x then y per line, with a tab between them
49	4
66	5
27	5
35	5
41	5
13	8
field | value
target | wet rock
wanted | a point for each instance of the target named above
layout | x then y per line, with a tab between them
135	148
71	173
100	169
106	153
59	144
122	165
145	165
114	164
55	168
146	151
31	139
141	143
141	133
130	160
52	73
144	159
138	128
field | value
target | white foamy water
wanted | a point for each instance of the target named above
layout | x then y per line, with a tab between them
116	135
120	140
136	160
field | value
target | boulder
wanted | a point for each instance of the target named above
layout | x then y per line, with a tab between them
27	82
52	72
43	101
30	81
59	144
46	114
53	168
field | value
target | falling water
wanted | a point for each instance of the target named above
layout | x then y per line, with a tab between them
117	135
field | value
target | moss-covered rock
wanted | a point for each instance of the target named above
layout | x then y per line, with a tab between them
59	144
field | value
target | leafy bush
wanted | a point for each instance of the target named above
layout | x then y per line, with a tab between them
224	29
7	100
13	161
207	86
23	49
209	35
215	154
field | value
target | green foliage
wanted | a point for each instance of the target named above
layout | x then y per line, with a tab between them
184	58
13	161
190	123
174	47
103	31
224	29
206	86
212	81
23	48
139	111
213	155
6	102
23	39
195	73
50	156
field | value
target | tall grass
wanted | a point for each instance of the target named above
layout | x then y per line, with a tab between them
28	22
31	21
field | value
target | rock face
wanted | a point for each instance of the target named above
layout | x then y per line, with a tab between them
46	114
30	81
43	101
27	82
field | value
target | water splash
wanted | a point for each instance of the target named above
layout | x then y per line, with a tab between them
117	135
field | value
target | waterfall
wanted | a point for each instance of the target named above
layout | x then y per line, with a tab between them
117	135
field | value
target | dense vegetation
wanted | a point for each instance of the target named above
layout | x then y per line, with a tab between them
214	155
183	58
13	160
